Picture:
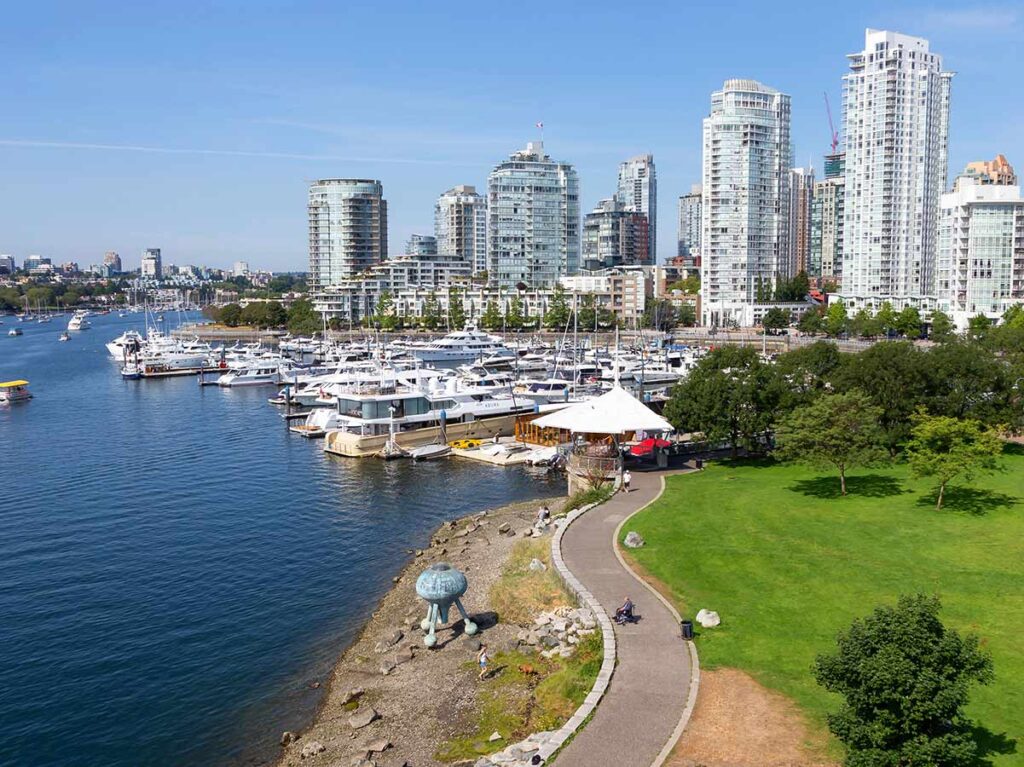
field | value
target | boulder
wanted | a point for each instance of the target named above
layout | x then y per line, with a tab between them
363	717
404	655
311	749
549	641
473	643
504	527
633	540
708	618
389	641
495	736
537	566
354	694
288	737
378	745
387	666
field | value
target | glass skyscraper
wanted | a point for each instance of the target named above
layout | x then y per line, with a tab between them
638	193
533	214
348	229
460	226
745	206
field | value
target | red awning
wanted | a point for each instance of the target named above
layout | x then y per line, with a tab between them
647	446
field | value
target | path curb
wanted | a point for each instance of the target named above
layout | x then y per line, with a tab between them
604	676
691	698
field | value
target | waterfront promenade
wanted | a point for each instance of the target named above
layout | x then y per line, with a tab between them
648	694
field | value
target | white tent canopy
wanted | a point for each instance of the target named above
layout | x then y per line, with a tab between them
615	412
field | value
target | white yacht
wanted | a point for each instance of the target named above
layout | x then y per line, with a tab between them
469	344
127	342
256	372
79	320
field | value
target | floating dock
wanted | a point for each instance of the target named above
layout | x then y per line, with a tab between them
481	454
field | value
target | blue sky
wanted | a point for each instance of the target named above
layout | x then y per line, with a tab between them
196	127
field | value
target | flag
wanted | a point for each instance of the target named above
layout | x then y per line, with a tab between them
540	125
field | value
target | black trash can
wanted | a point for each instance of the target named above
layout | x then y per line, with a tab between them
699	463
687	629
662	458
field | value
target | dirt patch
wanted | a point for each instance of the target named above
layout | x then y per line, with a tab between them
739	723
424	698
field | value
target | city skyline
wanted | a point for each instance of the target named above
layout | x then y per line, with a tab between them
202	148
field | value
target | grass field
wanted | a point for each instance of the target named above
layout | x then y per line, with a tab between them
788	564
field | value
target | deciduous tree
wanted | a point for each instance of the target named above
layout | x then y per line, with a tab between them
904	678
946	448
837	431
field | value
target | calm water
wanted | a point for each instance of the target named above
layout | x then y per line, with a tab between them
176	568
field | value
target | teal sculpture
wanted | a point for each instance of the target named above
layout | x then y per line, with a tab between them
441	585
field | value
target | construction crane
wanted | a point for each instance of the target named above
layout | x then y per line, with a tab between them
831	125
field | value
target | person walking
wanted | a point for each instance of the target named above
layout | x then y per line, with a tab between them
482	659
626	479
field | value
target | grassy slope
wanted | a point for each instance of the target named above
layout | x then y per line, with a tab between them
788	564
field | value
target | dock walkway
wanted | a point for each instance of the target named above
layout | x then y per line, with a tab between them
649	691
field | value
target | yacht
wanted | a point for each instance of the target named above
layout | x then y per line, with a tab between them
469	344
412	416
257	372
79	320
128	342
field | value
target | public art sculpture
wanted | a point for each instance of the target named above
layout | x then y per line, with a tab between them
441	585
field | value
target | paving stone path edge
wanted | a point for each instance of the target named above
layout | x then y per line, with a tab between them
559	738
691	698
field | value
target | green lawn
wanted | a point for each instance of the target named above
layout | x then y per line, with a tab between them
788	564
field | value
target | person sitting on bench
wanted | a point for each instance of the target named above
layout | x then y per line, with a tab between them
625	613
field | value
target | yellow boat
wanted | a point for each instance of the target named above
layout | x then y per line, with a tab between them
14	391
465	444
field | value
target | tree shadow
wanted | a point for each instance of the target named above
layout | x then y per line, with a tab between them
970	500
990	744
865	485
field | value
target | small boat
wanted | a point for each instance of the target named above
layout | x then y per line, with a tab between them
427	452
132	371
15	332
14	391
65	336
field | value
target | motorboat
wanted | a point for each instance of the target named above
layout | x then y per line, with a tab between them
469	344
254	373
429	452
127	342
65	336
15	332
14	391
79	320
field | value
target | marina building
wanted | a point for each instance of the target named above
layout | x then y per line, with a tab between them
826	250
348	229
533	219
614	236
896	127
801	194
745	202
152	266
460	225
638	193
980	265
689	227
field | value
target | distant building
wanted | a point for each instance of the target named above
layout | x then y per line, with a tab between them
997	171
689	227
70	267
7	265
614	236
745	205
152	268
421	245
638	193
896	128
980	265
624	291
35	261
348	229
801	193
240	269
827	210
533	219
460	225
113	260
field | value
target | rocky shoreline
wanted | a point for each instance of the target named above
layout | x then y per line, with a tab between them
390	701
